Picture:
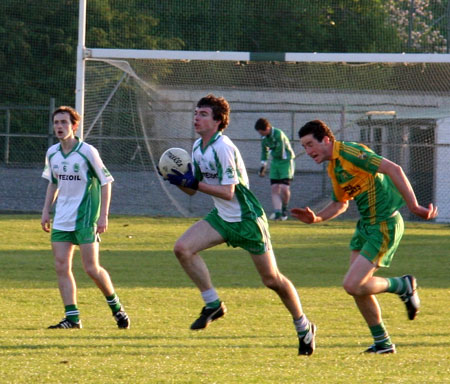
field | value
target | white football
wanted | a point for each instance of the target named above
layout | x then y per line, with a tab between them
174	158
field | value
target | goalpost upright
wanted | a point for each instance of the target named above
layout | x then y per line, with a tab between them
81	67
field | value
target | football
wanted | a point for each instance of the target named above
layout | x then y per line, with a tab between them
174	158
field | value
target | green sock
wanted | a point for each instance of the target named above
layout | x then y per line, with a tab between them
213	304
284	209
114	303
396	285
380	335
72	313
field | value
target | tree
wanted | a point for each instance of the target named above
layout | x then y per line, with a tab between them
416	25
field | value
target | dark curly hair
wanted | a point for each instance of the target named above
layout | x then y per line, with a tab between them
318	129
220	109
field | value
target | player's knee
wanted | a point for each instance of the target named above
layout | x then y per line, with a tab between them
351	288
284	188
92	271
62	267
271	281
181	250
276	188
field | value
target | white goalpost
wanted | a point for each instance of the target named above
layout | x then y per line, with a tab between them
79	87
105	53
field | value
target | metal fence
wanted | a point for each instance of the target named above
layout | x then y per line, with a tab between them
24	132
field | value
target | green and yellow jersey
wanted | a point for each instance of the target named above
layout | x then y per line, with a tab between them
353	170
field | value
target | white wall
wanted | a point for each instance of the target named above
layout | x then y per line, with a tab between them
442	175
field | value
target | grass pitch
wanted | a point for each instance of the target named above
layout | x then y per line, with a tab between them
254	343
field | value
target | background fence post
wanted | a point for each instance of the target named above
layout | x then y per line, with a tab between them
50	122
343	122
8	131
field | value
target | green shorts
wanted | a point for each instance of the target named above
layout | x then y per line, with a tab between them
379	242
282	169
80	236
251	235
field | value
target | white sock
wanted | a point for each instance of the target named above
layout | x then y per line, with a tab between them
301	324
210	295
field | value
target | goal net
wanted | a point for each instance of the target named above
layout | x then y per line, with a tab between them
136	108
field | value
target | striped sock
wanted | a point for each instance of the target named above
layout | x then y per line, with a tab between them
72	313
380	335
114	303
302	326
396	285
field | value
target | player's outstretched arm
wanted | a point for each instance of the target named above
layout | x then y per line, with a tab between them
332	210
304	214
398	177
428	213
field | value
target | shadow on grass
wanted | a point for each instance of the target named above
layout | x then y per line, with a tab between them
307	267
117	344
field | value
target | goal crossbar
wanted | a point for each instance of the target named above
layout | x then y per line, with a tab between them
104	53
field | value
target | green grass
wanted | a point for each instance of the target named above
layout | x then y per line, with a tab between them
254	343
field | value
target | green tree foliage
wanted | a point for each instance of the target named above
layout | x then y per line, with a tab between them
37	50
38	39
282	25
417	24
128	25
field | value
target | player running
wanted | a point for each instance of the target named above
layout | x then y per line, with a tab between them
237	219
81	186
380	188
282	166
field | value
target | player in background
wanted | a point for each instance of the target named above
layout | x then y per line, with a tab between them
380	188
237	219
81	186
282	166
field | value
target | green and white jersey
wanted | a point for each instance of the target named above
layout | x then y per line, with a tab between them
278	144
79	176
220	163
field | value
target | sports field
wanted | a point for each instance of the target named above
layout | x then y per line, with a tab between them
254	343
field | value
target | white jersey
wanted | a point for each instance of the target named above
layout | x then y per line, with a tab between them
79	176
220	163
